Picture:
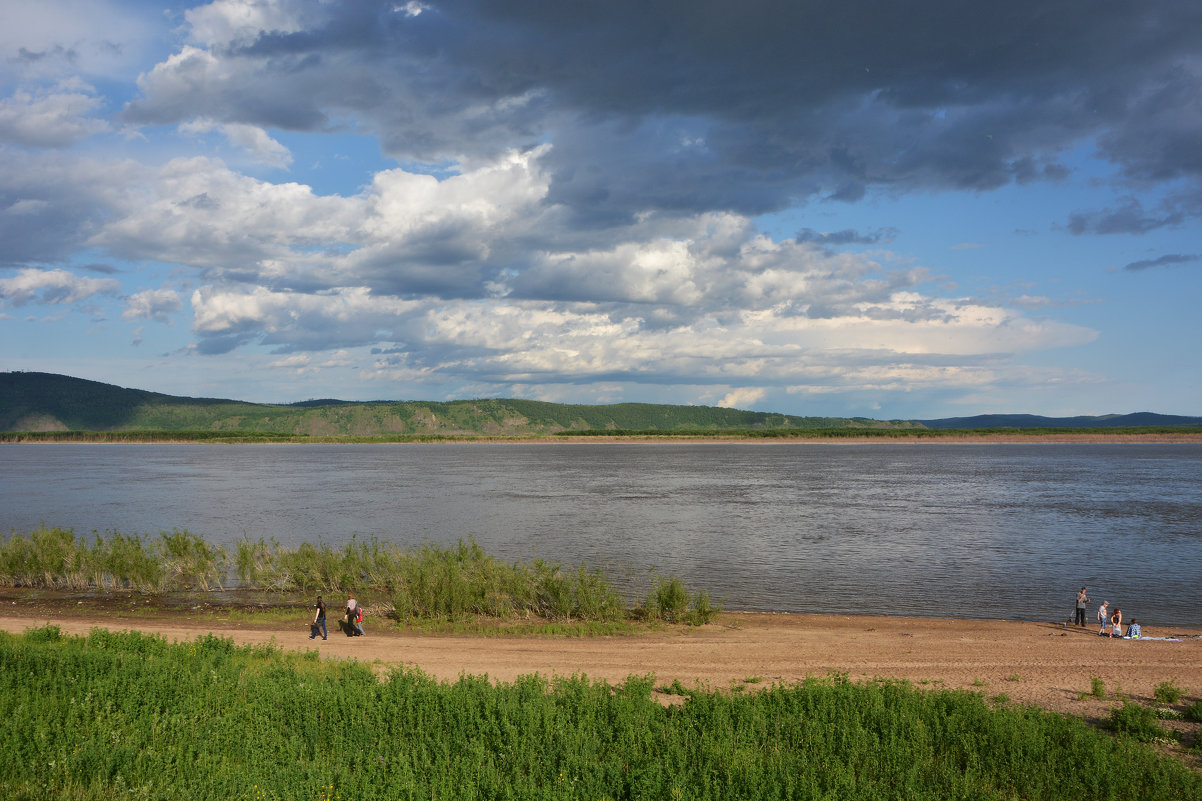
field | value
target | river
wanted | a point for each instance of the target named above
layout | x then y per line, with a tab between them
904	528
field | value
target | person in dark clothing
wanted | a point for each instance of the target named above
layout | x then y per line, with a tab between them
1082	600
354	617
319	620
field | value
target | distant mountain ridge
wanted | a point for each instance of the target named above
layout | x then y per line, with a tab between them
1082	421
32	401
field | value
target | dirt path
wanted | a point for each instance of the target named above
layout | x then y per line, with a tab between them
1039	663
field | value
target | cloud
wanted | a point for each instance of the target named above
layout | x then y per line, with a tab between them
152	304
847	236
53	287
847	98
50	120
43	40
197	211
224	22
1172	258
1129	218
52	202
250	138
742	398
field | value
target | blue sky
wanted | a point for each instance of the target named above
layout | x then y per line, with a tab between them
894	210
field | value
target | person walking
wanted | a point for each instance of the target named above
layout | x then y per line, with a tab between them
354	617
1082	600
319	620
1103	618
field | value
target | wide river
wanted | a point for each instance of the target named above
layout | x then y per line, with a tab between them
930	529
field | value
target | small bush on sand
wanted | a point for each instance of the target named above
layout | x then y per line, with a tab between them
1167	692
1136	721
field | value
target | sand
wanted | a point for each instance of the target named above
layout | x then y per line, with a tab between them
1047	664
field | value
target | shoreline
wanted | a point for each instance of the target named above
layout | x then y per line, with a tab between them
1049	665
992	438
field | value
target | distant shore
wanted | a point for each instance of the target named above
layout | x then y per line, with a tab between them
940	437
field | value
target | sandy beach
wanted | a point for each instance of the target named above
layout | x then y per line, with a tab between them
1047	664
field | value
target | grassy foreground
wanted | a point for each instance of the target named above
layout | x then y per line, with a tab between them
130	716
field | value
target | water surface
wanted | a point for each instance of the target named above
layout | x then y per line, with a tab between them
936	529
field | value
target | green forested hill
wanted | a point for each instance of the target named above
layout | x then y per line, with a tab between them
48	402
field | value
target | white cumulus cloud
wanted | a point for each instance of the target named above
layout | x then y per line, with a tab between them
53	287
152	304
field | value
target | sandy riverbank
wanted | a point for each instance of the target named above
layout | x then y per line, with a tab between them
1039	663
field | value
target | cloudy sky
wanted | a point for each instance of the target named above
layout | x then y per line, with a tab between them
888	209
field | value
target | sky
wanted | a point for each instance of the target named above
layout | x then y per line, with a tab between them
832	208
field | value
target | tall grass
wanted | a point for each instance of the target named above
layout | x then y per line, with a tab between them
56	558
419	582
116	716
669	600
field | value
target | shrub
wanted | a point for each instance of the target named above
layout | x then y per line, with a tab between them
1167	692
1136	721
703	611
1097	687
669	599
1194	713
43	634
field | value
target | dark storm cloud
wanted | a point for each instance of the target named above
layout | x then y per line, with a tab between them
692	106
1173	258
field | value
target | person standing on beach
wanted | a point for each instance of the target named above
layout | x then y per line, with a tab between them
1103	618
319	619
1082	600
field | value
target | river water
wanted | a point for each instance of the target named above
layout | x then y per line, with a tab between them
929	529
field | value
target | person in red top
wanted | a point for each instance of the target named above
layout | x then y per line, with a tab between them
354	616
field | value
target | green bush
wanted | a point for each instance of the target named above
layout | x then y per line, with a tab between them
1167	692
1193	712
1136	721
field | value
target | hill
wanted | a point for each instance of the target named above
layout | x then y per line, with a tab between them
1138	419
47	402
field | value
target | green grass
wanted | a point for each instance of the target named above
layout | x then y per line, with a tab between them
128	716
450	586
